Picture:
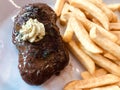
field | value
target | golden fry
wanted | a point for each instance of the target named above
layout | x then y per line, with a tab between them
117	33
58	6
96	22
114	26
83	37
100	72
68	34
100	1
82	57
66	8
110	56
97	73
91	22
88	25
105	63
64	18
117	62
88	15
65	14
111	87
86	75
77	12
111	16
105	43
92	82
93	10
114	7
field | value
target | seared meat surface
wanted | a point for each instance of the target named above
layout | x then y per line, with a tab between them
40	60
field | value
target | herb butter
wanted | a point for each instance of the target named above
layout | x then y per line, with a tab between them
32	30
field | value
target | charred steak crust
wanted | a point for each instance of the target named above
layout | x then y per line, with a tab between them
39	61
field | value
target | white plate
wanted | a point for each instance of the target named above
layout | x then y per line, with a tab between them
10	78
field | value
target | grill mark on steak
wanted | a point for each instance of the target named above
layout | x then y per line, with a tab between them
40	60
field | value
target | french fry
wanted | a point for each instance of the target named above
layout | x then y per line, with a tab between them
64	18
66	8
86	75
88	25
88	15
105	43
118	84
96	22
106	33
68	34
111	87
83	37
82	57
77	12
92	35
117	62
97	73
111	16
114	7
105	63
100	1
58	6
100	72
92	82
114	26
65	14
110	56
117	33
93	10
86	89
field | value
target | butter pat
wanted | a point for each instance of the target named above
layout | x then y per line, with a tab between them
32	30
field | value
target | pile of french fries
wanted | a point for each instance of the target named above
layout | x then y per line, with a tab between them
92	35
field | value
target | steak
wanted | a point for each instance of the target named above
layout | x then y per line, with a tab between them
40	60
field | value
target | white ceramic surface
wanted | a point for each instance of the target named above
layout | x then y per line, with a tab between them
10	78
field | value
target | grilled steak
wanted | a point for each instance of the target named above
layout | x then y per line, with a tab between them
40	60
